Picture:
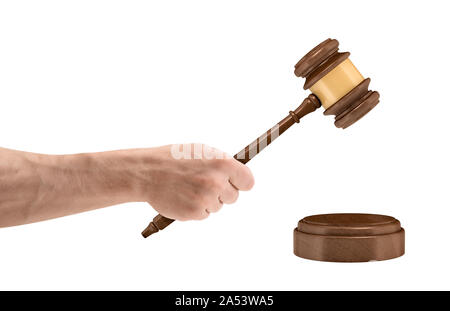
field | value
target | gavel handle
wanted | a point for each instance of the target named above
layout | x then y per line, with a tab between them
309	104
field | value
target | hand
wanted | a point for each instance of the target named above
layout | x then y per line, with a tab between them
191	181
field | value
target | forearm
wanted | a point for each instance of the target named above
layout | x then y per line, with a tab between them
35	187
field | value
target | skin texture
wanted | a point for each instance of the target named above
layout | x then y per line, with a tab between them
36	187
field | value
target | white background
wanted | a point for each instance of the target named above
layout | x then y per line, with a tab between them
82	76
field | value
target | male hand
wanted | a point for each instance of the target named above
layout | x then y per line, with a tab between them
191	181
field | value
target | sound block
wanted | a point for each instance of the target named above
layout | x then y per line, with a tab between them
349	238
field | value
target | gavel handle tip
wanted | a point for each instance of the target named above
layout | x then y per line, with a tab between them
158	223
151	228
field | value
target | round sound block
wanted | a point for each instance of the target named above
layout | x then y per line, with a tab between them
349	238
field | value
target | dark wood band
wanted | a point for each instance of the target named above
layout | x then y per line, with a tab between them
354	105
319	61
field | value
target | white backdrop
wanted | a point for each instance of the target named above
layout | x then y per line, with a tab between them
82	76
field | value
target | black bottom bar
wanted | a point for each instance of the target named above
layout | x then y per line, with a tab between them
227	300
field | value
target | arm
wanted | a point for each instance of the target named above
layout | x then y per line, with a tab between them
35	187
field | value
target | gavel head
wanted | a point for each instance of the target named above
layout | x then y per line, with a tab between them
341	89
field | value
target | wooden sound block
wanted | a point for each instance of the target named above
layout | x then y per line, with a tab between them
349	238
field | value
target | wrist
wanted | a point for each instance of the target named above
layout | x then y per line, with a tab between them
103	178
111	173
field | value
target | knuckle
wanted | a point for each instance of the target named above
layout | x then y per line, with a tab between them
199	205
231	197
216	185
215	210
234	197
249	180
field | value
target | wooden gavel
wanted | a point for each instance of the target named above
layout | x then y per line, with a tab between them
335	84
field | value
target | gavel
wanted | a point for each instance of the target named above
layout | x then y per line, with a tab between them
335	84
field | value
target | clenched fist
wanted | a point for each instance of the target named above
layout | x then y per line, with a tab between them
191	181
